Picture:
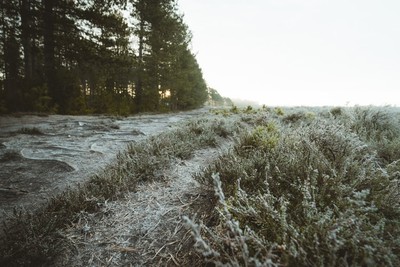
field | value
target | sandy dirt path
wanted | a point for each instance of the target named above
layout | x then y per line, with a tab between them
65	151
145	228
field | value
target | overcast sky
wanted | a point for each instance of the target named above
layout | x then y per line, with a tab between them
299	52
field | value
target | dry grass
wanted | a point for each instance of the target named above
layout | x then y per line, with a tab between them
36	239
298	188
145	227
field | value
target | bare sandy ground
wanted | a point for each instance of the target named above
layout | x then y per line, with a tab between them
145	228
66	151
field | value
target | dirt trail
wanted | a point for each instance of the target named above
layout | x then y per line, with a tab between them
42	156
145	228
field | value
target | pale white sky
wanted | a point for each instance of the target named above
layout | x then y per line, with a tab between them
299	52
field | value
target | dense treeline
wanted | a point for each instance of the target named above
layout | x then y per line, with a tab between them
215	99
96	56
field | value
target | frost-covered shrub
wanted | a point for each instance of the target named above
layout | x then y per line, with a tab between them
210	129
305	194
230	244
299	116
376	124
336	112
389	151
379	127
262	137
34	240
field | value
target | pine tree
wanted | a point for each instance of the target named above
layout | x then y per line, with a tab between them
78	56
11	55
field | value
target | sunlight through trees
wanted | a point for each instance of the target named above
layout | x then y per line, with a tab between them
87	56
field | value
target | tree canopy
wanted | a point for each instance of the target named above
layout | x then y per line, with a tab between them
96	56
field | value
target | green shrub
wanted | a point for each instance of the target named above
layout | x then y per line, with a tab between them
262	137
336	112
298	117
279	111
40	100
249	110
235	110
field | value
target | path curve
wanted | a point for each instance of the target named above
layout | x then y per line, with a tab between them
65	151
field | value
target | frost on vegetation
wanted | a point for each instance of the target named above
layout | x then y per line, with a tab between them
298	188
379	127
229	245
144	160
311	193
32	239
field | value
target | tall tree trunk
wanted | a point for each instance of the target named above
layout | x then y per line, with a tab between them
26	21
49	49
11	57
139	82
3	40
11	69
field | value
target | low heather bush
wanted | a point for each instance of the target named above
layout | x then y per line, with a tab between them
310	193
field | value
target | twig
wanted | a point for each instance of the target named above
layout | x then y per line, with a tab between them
152	229
174	260
124	249
188	204
168	244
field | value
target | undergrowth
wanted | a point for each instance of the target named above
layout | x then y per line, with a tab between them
299	187
33	238
303	188
30	131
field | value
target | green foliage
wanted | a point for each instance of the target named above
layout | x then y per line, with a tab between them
189	89
93	68
40	99
215	98
249	110
228	102
336	112
164	62
299	116
234	110
279	111
308	188
265	108
262	137
223	112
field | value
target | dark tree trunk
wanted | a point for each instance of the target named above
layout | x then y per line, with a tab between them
26	29
3	40
49	49
11	70
139	82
